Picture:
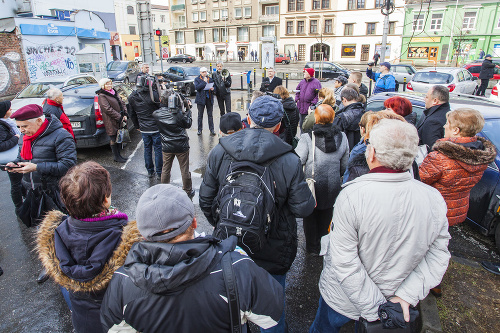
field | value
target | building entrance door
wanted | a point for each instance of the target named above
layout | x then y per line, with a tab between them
302	52
433	54
365	52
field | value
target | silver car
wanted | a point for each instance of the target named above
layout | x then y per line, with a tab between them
457	80
401	72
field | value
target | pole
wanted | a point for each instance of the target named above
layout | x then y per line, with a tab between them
404	84
384	39
226	32
254	78
241	81
447	61
210	67
161	53
370	88
286	81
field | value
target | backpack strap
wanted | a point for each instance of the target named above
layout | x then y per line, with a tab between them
232	292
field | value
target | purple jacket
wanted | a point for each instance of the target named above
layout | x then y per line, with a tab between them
307	95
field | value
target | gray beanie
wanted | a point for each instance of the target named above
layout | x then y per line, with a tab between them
266	111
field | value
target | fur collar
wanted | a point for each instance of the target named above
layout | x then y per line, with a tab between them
47	254
457	151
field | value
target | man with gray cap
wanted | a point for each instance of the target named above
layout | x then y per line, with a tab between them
384	81
293	198
174	281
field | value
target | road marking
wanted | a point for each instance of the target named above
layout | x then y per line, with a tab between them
132	155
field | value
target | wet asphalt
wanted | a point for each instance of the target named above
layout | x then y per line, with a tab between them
26	306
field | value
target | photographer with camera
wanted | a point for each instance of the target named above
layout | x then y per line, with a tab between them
384	81
222	80
270	82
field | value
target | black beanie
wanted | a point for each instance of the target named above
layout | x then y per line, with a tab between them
4	107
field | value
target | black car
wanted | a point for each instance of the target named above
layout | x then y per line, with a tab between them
181	58
329	70
183	77
123	71
81	106
484	197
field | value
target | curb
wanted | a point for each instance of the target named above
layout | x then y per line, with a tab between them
430	315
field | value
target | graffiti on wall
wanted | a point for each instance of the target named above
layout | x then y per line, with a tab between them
44	61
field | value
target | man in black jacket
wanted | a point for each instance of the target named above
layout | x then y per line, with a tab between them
172	121
270	82
141	112
348	118
293	197
485	75
356	77
430	126
174	281
223	89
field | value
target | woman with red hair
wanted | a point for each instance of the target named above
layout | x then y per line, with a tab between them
402	106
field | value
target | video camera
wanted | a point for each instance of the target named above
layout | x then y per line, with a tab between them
273	95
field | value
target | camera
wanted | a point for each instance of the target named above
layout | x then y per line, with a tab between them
371	63
273	95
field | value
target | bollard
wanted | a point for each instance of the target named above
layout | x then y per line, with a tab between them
241	76
286	81
254	73
210	68
370	88
265	74
404	84
250	88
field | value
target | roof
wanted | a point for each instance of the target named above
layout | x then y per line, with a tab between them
440	69
160	7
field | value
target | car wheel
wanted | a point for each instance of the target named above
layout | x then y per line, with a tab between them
283	62
497	236
169	61
184	60
126	81
475	90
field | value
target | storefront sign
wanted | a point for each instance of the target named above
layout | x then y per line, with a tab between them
348	51
418	52
91	33
426	40
115	39
46	30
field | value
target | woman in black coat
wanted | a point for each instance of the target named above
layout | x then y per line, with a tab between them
487	69
290	120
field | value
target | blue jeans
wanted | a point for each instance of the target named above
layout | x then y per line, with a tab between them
327	319
152	140
65	294
281	327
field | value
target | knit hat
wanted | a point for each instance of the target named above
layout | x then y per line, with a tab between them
266	111
488	56
386	64
163	207
29	111
103	81
230	123
341	79
310	71
4	107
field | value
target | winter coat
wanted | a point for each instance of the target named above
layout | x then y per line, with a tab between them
59	113
112	109
337	92
411	118
294	199
8	138
224	86
201	95
290	120
82	257
179	287
348	119
266	86
309	120
430	126
487	70
330	161
363	90
389	237
383	83
453	167
356	165
307	94
141	109
54	152
172	125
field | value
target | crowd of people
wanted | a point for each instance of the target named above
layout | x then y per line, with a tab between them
377	214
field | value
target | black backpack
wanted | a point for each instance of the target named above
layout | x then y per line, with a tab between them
246	205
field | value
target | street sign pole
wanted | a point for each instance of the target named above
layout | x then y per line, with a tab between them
161	53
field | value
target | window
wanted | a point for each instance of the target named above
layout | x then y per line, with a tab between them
289	27
355	4
436	21
348	29
272	10
162	18
237	12
179	37
328	26
223	34
291	5
203	16
300	28
361	4
153	17
313	27
325	4
215	34
223	14
268	31
130	10
194	2
195	16
248	11
370	28
242	34
131	30
392	28
316	4
469	20
379	3
216	15
300	5
348	51
418	22
199	36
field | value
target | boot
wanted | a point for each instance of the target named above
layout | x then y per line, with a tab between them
42	277
116	153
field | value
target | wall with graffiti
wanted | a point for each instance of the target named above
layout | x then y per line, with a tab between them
13	75
45	59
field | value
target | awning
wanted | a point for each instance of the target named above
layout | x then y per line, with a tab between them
93	34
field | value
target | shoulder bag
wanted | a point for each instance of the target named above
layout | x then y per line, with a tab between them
123	135
232	292
311	181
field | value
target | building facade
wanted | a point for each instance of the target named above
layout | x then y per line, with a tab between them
343	31
442	31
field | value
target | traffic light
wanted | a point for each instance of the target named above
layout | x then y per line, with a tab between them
158	32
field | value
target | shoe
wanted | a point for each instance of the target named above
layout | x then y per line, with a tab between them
1	271
116	154
151	174
436	291
491	267
191	194
158	176
199	132
212	133
42	277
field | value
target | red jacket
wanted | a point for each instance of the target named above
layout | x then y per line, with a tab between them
453	167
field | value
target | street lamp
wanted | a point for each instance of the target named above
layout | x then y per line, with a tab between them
387	8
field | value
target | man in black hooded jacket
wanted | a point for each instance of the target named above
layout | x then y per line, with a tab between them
348	118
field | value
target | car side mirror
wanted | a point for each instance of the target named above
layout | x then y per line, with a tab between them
474	78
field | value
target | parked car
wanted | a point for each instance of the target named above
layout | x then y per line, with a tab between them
123	71
183	77
329	70
484	197
475	68
139	58
458	80
494	92
181	58
35	93
402	71
281	58
494	59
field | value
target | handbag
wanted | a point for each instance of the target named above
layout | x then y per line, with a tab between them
232	292
123	135
9	155
311	181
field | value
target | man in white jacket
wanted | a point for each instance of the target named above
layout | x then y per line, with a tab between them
389	239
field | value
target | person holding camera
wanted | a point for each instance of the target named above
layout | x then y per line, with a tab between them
204	98
222	80
384	81
270	82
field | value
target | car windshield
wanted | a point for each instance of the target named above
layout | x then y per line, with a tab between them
76	106
491	131
192	71
340	66
433	77
117	66
38	89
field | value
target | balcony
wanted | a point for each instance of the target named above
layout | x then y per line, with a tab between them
178	25
175	8
269	18
269	1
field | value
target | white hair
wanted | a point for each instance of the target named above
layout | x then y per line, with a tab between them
53	93
395	143
32	120
219	62
103	82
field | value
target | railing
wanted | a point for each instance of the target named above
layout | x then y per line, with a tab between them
178	7
178	25
269	18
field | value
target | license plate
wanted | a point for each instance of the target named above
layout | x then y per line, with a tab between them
76	124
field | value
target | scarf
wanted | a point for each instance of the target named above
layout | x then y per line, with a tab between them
26	152
112	91
53	103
